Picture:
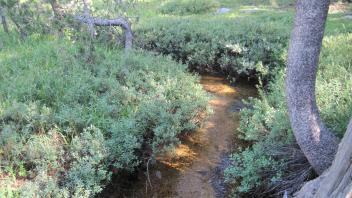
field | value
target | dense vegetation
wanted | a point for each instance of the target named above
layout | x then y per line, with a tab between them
274	163
67	123
218	44
267	124
254	43
185	7
74	112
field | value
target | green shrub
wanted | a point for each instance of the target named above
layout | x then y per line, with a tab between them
273	3
184	7
43	185
268	127
334	82
267	124
243	46
88	169
249	165
67	118
250	44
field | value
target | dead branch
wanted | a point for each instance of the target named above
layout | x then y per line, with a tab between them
121	22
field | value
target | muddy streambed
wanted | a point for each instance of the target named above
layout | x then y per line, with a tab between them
195	168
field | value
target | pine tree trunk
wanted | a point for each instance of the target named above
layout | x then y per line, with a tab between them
336	181
316	141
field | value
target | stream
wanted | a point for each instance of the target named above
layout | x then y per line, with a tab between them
195	168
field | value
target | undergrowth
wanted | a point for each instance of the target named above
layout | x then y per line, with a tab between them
254	44
187	7
267	167
233	46
68	121
72	117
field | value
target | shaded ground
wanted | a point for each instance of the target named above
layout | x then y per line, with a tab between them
195	168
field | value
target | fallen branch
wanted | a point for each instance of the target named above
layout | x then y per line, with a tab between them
121	22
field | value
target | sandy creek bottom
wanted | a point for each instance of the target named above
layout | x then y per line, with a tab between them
194	169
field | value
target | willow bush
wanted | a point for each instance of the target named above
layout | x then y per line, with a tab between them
268	127
240	46
188	7
68	121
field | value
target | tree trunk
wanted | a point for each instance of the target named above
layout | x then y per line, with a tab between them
336	181
18	26
56	9
59	15
3	21
316	141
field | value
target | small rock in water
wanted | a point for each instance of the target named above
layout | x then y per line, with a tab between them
201	172
238	106
223	10
158	174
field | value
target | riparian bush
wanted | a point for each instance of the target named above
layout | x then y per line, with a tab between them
244	46
267	124
68	120
187	7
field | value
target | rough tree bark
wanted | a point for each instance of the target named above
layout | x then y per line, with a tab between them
123	23
336	181
3	21
316	141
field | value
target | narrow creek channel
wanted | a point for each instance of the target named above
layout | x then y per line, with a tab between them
194	169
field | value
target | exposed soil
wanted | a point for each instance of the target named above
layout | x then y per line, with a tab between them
195	168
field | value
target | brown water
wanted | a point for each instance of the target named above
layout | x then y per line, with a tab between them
189	170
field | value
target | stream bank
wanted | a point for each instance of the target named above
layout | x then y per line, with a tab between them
195	168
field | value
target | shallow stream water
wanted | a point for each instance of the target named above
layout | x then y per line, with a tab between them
195	168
